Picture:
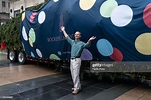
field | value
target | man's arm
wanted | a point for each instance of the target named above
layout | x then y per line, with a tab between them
66	35
64	32
89	42
92	38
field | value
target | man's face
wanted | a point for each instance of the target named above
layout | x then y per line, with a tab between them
77	35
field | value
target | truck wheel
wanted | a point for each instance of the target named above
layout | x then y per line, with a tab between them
12	56
21	58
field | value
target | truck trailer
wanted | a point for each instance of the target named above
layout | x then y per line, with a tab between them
122	29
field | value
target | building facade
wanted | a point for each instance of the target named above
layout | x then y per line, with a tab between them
17	6
4	11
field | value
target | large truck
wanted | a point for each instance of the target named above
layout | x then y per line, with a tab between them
122	29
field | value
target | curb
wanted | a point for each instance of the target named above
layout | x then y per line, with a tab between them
3	53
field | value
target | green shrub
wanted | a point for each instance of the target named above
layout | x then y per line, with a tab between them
9	32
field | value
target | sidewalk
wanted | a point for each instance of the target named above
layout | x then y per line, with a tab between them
138	93
3	52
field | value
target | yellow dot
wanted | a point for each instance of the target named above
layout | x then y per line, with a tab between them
86	4
30	42
143	43
23	16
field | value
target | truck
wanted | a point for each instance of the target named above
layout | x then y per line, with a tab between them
122	29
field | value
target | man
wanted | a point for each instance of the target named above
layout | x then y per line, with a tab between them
77	47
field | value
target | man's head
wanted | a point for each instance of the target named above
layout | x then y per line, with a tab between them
77	35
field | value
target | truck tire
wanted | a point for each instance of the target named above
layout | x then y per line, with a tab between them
21	58
12	56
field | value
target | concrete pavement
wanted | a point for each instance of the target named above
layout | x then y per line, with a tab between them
32	82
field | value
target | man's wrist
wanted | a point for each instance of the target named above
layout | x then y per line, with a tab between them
89	41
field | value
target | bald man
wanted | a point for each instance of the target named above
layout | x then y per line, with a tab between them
77	47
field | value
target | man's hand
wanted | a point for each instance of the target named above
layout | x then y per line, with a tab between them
92	38
62	28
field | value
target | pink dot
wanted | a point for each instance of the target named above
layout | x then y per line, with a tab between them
34	13
117	55
147	15
32	18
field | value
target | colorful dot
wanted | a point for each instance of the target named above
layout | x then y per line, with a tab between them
54	57
122	15
23	46
41	17
147	15
55	0
143	44
24	34
117	55
32	35
107	7
32	54
30	42
32	17
86	55
86	4
34	13
104	47
23	16
39	53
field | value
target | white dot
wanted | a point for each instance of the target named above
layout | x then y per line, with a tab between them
55	0
39	53
24	34
41	17
122	15
23	46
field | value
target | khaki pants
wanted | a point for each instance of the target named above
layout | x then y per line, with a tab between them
75	70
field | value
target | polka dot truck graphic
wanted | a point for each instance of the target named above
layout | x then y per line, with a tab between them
147	15
142	43
86	4
104	47
41	17
32	17
107	7
122	15
122	29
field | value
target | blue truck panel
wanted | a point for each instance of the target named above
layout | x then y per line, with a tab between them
122	29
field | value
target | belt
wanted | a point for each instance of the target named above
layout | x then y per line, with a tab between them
72	58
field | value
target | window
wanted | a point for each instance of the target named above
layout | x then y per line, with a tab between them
8	4
16	13
3	4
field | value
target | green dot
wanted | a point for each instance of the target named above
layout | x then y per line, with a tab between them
32	35
54	57
107	7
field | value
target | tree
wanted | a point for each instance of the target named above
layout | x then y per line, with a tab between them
9	32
